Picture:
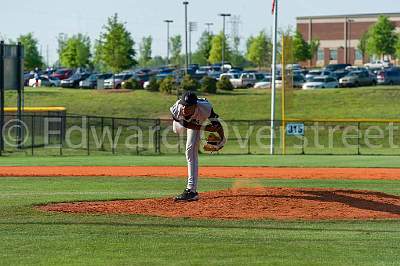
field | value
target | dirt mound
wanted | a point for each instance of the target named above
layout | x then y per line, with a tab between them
255	203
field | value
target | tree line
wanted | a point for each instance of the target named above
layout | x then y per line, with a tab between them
114	50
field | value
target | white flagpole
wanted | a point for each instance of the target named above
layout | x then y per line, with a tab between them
273	92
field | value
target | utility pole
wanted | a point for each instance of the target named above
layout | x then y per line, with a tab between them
192	28
186	3
223	15
209	24
168	41
235	36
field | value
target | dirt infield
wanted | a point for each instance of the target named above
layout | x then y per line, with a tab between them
211	172
240	203
255	203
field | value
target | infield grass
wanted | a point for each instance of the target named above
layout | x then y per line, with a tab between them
30	237
209	160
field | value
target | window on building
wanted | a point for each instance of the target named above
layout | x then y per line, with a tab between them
359	55
332	54
320	55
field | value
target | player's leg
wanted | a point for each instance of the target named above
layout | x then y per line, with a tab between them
192	158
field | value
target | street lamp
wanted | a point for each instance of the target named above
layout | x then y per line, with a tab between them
186	3
168	42
223	15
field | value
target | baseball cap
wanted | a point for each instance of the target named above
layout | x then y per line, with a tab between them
189	98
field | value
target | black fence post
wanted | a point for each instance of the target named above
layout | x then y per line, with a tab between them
2	84
102	131
137	136
87	135
113	135
20	96
358	138
33	133
249	139
62	134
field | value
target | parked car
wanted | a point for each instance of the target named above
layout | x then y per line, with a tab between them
317	72
62	74
117	80
357	78
45	81
91	81
379	64
244	80
389	76
321	82
27	77
336	67
73	81
264	84
340	74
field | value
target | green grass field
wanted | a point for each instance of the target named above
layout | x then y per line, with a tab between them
32	237
247	104
208	160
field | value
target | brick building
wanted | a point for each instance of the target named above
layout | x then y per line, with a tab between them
339	36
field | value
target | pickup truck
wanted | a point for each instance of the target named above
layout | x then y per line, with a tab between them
241	80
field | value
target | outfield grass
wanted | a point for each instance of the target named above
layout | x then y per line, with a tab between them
30	237
208	160
248	104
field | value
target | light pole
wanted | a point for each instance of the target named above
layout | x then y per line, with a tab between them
186	3
192	28
168	42
209	24
223	15
349	21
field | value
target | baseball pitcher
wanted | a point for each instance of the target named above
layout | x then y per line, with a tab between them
191	115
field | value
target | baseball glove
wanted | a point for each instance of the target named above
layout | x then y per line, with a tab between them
214	143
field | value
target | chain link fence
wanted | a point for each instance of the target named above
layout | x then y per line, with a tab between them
49	135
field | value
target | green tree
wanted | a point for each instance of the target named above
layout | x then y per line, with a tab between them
259	50
362	45
167	85
237	58
176	49
398	48
216	49
301	49
33	58
145	51
382	38
116	46
314	46
202	54
76	52
98	62
157	61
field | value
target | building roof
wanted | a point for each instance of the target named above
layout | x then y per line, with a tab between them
371	15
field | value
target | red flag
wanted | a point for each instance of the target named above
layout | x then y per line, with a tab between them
273	7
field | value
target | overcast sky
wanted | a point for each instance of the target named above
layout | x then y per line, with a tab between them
47	18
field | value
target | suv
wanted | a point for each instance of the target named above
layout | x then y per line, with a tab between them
389	77
117	80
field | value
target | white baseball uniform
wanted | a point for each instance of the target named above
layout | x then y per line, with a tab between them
202	113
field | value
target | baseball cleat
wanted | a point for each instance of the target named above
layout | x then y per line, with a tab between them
187	195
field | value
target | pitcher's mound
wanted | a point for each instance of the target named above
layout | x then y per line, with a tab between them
255	203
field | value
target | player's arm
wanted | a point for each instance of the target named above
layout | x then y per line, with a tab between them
215	125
